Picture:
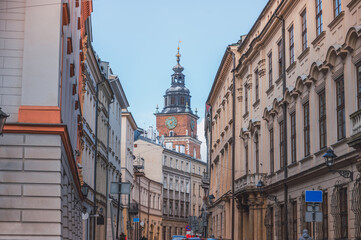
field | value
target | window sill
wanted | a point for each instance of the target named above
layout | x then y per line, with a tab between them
270	90
256	103
336	20
339	142
293	165
291	67
246	115
352	4
321	151
305	159
279	80
319	38
304	54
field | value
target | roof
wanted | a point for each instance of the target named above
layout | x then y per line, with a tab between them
131	119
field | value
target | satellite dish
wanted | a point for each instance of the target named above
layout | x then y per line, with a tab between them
85	216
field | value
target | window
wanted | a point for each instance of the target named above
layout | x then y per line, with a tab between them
322	120
292	45
282	142
187	188
271	151
279	44
246	99
199	190
344	213
172	100
171	183
336	7
306	129
194	189
181	166
165	182
182	102
293	137
246	153
182	186
176	164
325	216
176	209
176	185
165	160
165	207
304	30
319	21
257	85
340	103
182	210
194	209
187	168
270	80
171	133
359	87
165	101
170	208
171	162
257	152
294	220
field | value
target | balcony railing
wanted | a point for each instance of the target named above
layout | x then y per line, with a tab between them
355	122
248	181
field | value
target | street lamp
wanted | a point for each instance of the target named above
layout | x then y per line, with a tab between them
3	117
330	161
260	185
85	190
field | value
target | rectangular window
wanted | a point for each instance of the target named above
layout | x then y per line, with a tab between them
325	216
246	153
257	153
172	100
322	120
294	220
359	87
344	213
340	103
272	151
281	145
336	7
293	137
246	99
292	45
319	21
304	30
165	182
165	207
279	44
257	85
306	129
270	79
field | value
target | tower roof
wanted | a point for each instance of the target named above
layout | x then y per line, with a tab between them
177	97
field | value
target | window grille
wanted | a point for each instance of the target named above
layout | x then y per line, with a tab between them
339	212
269	223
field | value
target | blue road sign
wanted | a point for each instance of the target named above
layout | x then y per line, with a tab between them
313	196
135	219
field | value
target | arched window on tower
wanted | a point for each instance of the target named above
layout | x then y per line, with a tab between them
172	100
182	102
165	101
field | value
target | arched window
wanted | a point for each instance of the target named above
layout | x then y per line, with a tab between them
165	101
182	102
172	100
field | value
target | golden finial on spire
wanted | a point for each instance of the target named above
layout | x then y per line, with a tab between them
178	55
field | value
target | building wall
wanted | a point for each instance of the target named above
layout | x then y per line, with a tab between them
332	55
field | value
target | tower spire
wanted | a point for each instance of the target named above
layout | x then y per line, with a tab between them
178	55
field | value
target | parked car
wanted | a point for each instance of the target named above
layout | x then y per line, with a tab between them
178	237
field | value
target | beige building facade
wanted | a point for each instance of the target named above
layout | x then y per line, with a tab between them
322	102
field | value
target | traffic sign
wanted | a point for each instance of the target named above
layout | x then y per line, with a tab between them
188	228
313	196
313	216
135	219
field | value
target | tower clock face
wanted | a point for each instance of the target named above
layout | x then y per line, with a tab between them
192	124
171	122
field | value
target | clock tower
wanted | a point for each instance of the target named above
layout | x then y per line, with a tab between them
176	122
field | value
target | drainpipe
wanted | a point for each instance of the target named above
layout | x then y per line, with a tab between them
233	135
285	161
107	174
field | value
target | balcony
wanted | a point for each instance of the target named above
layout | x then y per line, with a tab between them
248	182
355	139
205	180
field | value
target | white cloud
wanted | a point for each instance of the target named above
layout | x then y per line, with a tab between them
201	137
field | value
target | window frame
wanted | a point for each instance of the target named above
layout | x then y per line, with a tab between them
337	9
319	20
270	77
279	44
282	142
322	119
340	108
257	152
306	128
358	69
246	158
256	85
292	44
304	29
272	151
293	138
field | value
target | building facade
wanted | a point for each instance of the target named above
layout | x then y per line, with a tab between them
41	191
297	96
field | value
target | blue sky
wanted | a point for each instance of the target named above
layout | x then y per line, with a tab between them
139	38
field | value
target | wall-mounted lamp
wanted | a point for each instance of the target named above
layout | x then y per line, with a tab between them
330	161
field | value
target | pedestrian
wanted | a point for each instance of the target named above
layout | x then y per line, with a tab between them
305	235
122	236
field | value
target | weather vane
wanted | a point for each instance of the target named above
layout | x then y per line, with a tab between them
178	55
